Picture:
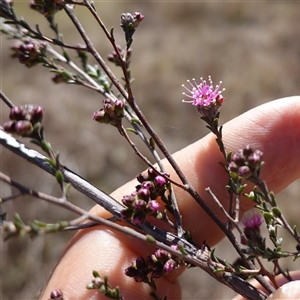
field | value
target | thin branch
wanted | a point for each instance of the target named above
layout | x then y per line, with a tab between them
202	259
6	100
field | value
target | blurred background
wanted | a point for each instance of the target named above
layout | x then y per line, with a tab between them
253	47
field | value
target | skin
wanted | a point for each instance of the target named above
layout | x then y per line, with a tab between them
273	128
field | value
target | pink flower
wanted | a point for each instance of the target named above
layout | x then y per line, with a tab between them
207	98
253	220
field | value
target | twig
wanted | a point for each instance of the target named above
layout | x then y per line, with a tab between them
201	260
6	99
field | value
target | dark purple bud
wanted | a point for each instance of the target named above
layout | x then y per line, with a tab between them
160	181
255	158
138	18
138	217
247	151
153	206
152	173
126	213
17	113
119	108
152	260
10	126
244	171
101	117
143	193
158	272
37	114
148	185
128	200
113	56
142	177
233	167
30	52
141	264
131	271
138	270
162	255
139	204
238	158
109	107
24	128
56	294
170	265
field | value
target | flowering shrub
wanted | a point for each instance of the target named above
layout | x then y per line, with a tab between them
153	197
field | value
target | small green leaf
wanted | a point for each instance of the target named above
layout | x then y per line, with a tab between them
18	221
58	42
45	146
63	224
39	223
217	271
181	248
59	177
136	121
296	232
95	273
131	130
51	162
112	33
273	199
152	143
276	211
268	217
150	239
67	189
66	56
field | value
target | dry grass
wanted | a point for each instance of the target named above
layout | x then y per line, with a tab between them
254	48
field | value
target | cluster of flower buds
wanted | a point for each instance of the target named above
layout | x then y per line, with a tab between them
24	119
155	266
142	202
29	53
47	7
111	113
207	98
114	58
246	162
129	23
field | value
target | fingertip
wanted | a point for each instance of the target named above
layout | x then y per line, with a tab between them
290	290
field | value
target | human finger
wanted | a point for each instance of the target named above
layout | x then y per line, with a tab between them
272	128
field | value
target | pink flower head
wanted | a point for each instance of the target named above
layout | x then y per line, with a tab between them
253	220
204	96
